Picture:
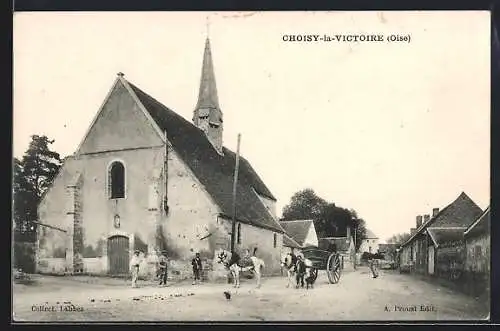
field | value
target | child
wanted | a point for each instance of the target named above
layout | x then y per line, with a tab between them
197	268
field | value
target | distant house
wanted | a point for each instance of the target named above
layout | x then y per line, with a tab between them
370	244
434	246
388	250
302	232
478	255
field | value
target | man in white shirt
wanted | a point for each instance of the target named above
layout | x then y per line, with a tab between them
134	267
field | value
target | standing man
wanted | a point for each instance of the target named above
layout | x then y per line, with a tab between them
163	268
372	262
134	267
300	271
197	268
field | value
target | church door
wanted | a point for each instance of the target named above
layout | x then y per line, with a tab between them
118	255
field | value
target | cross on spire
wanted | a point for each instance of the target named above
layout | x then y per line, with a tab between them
208	25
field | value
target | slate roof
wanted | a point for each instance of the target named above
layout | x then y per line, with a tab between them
370	234
214	171
297	230
460	213
481	226
440	236
340	244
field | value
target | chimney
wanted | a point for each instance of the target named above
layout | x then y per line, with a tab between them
427	218
435	211
412	231
419	221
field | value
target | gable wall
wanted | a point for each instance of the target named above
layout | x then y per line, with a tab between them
120	125
311	237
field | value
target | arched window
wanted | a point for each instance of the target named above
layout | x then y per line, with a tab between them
116	180
239	234
275	237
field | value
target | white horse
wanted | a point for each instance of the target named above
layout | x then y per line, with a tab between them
289	263
235	264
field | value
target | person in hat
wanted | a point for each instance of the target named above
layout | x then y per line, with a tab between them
197	268
373	264
163	260
135	261
300	270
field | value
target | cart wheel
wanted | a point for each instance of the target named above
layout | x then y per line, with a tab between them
333	268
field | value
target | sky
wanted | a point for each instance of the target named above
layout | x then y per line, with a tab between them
390	129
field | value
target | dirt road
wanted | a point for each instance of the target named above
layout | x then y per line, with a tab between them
390	297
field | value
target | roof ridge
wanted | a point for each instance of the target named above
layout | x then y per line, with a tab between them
298	221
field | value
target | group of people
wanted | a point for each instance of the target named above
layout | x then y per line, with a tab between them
162	274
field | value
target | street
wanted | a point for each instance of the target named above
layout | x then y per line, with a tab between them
357	296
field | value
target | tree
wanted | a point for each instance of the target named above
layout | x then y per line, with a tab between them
333	221
33	175
305	204
399	238
330	220
359	226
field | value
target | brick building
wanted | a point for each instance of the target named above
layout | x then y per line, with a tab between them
145	178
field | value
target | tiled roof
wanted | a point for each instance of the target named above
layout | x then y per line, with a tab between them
297	230
481	226
370	234
460	213
440	236
214	171
289	242
340	244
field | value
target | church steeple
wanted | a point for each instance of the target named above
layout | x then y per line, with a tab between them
207	114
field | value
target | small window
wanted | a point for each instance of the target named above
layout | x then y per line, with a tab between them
275	238
238	240
116	180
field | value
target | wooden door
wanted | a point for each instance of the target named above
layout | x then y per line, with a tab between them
431	260
118	255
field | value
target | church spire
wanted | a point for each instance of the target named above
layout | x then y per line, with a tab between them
207	96
207	114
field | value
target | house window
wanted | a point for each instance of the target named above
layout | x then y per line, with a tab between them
275	238
116	180
370	249
239	234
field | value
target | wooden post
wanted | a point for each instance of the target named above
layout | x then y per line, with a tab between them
235	182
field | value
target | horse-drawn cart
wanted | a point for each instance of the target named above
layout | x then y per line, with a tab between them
332	262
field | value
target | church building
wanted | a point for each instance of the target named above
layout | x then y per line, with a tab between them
144	178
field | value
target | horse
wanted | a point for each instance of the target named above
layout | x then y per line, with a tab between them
289	263
235	264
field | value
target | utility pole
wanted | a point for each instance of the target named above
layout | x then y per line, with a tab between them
355	253
235	182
